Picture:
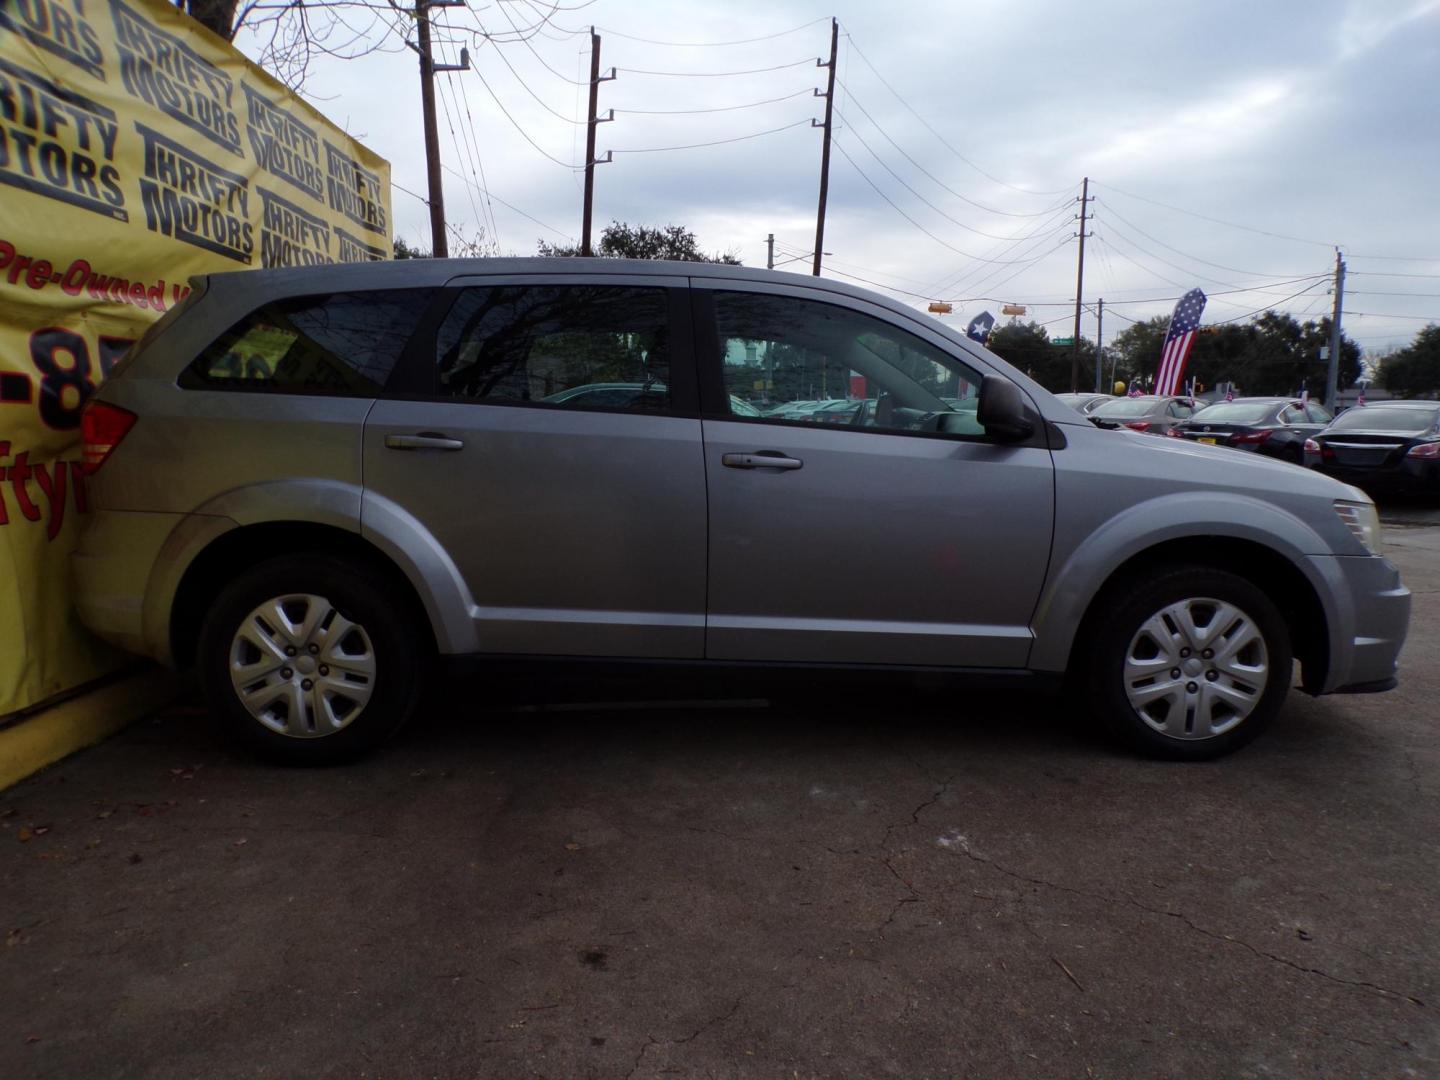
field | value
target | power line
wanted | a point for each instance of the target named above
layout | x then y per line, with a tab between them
717	74
1383	315
1193	258
852	133
515	124
510	206
1043	229
963	198
1216	221
539	100
526	42
941	138
1380	273
714	142
907	217
711	44
1269	307
807	91
455	145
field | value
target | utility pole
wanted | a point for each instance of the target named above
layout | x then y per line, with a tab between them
1099	337
1079	291
593	122
829	96
770	252
1332	374
438	245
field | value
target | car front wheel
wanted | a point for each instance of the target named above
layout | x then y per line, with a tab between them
1191	664
309	660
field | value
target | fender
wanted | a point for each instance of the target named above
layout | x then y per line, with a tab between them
397	534
1075	579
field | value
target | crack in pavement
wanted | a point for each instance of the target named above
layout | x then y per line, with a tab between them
650	1040
914	897
964	849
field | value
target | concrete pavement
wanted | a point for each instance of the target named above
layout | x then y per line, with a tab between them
887	886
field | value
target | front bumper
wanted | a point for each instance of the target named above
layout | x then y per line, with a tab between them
1369	618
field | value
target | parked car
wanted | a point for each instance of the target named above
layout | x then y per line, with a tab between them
1084	404
1148	413
1390	446
392	485
1276	427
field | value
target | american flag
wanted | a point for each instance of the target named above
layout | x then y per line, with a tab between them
1178	341
1230	392
1361	399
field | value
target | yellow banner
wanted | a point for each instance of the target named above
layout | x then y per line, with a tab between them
136	149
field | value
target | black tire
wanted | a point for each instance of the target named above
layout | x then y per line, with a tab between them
359	593
1118	623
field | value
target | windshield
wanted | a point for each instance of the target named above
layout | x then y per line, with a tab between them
1125	407
1387	418
1235	412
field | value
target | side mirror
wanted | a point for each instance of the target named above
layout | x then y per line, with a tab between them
1001	410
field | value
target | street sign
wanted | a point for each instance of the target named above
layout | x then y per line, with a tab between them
1062	341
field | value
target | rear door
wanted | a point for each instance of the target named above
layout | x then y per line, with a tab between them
576	518
877	540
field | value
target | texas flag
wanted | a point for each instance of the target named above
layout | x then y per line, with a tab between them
1178	342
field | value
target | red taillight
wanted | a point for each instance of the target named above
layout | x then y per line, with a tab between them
1251	437
1138	425
1311	446
103	426
1425	450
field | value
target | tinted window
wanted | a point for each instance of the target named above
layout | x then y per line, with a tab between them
1386	418
1235	412
1293	414
820	363
339	343
570	346
1125	407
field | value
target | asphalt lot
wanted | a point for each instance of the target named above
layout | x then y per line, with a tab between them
877	886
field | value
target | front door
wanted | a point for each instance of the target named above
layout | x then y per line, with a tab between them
863	516
554	453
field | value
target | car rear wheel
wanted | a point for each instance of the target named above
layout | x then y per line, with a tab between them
1192	664
304	659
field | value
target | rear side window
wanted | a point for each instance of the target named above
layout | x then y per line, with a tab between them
338	343
568	346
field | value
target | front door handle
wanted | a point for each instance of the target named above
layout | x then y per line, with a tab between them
761	459
426	440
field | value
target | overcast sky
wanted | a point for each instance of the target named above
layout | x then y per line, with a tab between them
1310	123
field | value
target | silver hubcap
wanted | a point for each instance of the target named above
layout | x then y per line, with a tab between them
300	667
1196	668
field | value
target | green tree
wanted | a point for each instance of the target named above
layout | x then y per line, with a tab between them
623	241
1273	353
1414	371
405	251
1028	347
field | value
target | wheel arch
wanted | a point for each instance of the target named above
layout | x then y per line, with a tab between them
243	547
1293	593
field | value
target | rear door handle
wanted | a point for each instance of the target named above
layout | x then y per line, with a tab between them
761	459
426	440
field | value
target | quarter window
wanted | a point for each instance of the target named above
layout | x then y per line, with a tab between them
812	362
338	343
569	346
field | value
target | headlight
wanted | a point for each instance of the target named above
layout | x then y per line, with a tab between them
1363	522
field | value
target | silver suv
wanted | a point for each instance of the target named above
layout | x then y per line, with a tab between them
309	483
